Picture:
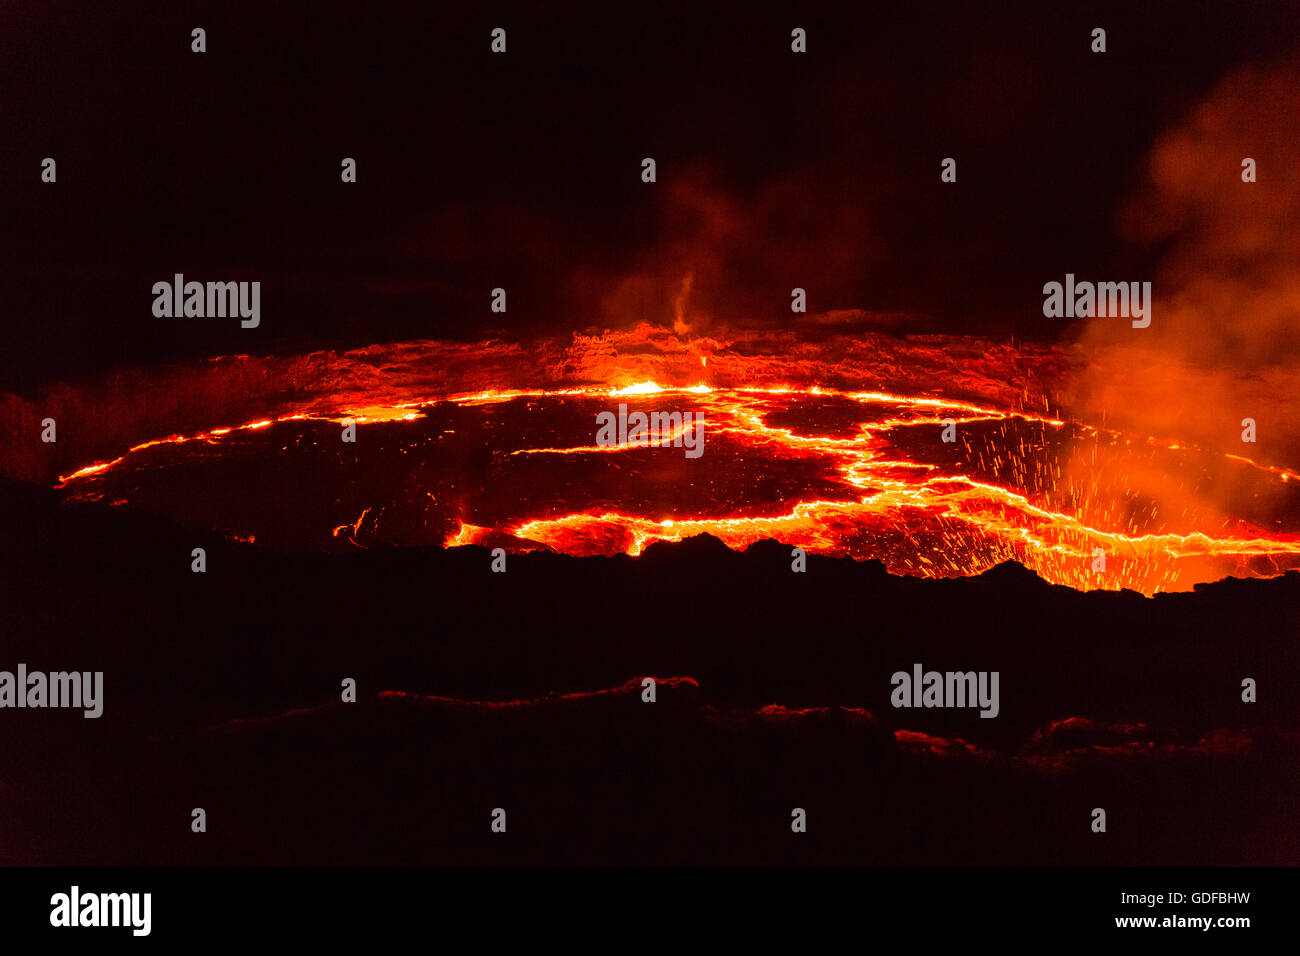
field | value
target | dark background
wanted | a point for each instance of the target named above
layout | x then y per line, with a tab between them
222	691
523	171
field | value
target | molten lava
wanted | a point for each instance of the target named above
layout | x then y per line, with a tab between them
839	471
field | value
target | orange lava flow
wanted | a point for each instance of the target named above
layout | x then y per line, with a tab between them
888	488
1058	545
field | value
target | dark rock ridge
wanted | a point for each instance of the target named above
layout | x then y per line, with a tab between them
1106	699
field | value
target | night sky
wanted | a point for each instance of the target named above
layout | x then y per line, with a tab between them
522	171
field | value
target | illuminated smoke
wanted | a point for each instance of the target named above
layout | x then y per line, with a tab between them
1223	343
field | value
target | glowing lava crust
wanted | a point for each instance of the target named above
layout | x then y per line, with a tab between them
837	472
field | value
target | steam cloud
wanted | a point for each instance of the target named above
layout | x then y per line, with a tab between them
1223	342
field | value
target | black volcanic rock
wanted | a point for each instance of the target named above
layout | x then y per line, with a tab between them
1011	573
226	685
699	547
